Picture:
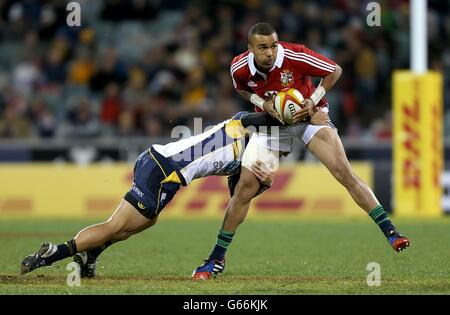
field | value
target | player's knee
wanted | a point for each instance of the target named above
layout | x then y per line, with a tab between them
248	179
115	227
123	232
245	189
120	236
126	232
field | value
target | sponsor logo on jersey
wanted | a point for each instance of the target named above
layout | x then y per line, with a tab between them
141	205
137	191
287	78
252	84
268	95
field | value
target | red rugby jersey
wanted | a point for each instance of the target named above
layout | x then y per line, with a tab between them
293	67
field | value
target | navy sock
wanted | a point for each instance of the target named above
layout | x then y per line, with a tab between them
95	252
63	250
223	240
381	219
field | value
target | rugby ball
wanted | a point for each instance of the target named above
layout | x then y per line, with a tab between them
287	102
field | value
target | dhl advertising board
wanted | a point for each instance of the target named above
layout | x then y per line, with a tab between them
46	190
418	143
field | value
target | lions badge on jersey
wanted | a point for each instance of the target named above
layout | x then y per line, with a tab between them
287	78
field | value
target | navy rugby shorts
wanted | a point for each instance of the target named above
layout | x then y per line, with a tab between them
151	190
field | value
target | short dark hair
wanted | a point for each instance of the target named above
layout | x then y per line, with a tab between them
260	29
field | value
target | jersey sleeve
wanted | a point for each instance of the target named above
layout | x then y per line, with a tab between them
236	75
310	62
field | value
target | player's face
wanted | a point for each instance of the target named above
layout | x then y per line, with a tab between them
265	49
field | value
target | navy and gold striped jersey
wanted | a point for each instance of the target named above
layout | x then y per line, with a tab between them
161	170
217	151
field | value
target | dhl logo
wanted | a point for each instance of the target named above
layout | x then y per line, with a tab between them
16	204
299	188
213	192
411	144
288	195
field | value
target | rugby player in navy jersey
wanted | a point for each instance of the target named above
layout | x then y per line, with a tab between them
159	172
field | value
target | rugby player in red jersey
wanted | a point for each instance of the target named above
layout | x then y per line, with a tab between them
268	66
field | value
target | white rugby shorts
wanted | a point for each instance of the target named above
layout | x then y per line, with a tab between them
265	148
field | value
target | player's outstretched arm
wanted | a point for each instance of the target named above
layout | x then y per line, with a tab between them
258	120
267	106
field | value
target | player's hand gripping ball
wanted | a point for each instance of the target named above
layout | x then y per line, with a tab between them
287	102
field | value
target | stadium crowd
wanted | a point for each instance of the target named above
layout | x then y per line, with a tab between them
141	67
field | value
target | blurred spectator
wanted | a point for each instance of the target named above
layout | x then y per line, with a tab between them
195	93
82	121
381	129
354	128
45	121
26	76
16	20
54	67
366	71
52	17
111	105
82	68
153	127
110	70
135	91
13	124
126	124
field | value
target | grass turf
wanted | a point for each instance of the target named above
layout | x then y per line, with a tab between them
278	257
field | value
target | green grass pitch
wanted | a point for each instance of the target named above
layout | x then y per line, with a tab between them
266	257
